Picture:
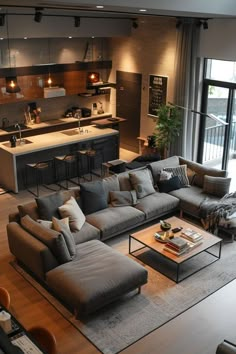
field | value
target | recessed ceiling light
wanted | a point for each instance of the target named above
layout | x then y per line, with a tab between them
142	10
25	37
70	37
99	6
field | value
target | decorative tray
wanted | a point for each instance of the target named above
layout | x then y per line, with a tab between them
163	236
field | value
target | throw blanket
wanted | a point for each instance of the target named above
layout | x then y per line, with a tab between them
220	213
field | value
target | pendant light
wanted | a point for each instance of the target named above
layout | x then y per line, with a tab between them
11	81
49	80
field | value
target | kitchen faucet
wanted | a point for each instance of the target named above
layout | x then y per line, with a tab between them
17	125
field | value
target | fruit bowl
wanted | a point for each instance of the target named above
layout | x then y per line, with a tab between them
165	225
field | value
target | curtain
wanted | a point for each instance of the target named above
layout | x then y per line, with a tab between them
188	74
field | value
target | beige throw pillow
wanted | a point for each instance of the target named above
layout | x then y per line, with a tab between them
72	210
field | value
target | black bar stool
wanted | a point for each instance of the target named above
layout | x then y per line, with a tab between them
42	173
69	169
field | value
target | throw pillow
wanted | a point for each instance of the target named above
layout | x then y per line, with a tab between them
48	206
142	182
169	185
45	223
62	226
121	198
72	210
181	172
51	238
218	186
93	196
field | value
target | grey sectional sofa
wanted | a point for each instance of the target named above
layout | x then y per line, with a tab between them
109	207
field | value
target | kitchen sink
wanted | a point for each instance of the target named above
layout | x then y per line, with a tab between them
12	128
71	132
18	143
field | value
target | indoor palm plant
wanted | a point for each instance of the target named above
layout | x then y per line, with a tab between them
168	127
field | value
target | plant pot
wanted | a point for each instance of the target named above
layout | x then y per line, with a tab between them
151	141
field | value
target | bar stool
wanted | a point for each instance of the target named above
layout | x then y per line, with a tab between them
69	164
43	173
87	161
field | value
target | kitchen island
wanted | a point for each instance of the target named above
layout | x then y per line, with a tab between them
46	146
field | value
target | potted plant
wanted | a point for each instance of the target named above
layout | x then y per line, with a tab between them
168	127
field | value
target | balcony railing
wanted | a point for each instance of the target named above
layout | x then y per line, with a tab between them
214	142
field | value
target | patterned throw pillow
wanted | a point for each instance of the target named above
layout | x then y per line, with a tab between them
181	172
218	186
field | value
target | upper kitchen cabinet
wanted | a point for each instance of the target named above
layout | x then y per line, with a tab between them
54	48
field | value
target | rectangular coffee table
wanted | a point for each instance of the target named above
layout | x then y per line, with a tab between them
146	238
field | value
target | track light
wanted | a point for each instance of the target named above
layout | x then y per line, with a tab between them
205	25
38	15
77	21
134	24
2	19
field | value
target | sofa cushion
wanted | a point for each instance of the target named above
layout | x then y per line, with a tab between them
72	210
121	198
202	170
48	206
51	238
112	220
218	186
110	184
181	172
142	182
191	199
157	166
98	276
93	196
169	185
87	233
157	204
63	227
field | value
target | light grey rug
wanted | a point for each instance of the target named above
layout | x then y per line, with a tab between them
126	321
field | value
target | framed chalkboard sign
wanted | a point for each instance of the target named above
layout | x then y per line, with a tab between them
157	93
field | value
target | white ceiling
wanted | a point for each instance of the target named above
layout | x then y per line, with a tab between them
124	8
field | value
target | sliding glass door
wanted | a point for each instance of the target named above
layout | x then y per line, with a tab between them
218	141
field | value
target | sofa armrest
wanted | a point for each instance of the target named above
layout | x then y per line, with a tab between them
35	255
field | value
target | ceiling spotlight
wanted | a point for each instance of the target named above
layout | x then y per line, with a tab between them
205	25
38	15
77	21
134	24
2	19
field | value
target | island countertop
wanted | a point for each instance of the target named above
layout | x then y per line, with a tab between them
46	146
56	139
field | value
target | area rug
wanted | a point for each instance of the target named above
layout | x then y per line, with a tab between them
126	321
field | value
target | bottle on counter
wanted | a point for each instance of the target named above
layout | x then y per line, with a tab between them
94	108
13	141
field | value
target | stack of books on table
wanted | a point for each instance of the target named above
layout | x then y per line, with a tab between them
177	246
191	235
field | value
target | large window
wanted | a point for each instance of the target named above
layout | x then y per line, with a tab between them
218	142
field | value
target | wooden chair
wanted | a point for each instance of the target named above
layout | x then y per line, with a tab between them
5	299
44	338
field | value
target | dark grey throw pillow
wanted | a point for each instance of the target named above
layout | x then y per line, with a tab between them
48	206
63	228
51	238
121	198
93	197
169	185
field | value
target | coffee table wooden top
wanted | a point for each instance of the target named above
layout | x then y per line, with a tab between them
146	237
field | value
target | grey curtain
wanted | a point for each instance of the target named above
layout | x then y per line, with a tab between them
188	74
